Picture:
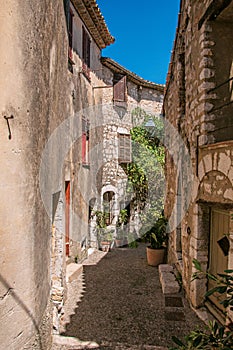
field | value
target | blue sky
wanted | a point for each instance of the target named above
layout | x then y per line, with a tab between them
144	33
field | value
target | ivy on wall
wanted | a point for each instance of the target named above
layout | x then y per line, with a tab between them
146	172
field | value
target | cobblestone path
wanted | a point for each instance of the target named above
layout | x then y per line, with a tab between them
119	304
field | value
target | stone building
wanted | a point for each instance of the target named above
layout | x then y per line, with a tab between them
199	170
125	94
33	59
62	109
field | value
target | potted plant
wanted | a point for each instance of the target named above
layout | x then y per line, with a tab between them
120	239
103	235
106	239
157	238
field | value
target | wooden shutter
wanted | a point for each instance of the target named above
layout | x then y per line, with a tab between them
86	53
87	141
84	138
70	33
119	90
67	217
124	151
86	48
66	4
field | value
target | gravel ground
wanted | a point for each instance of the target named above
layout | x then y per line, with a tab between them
118	303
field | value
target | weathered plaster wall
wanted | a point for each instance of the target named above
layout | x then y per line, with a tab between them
84	176
33	60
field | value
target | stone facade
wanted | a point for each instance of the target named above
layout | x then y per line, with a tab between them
198	107
119	118
59	154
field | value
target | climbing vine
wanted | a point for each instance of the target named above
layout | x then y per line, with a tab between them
146	172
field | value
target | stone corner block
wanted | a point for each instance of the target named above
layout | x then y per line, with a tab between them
168	280
72	343
73	271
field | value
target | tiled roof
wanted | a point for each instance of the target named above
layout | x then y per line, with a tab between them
117	68
92	17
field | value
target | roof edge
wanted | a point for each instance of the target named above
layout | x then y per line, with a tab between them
116	67
92	17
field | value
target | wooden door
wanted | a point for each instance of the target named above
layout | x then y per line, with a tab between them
67	217
218	262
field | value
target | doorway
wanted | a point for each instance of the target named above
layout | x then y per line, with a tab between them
219	248
67	217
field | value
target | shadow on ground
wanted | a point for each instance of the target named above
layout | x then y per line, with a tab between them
123	303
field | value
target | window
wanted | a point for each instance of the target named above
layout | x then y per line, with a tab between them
119	89
86	53
85	141
124	148
70	35
66	5
108	206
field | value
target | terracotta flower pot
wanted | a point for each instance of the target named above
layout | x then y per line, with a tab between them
119	242
155	256
105	246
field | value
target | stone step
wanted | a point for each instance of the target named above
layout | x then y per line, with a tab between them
73	271
71	343
168	279
124	346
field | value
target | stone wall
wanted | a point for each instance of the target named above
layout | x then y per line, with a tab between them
120	119
42	152
199	110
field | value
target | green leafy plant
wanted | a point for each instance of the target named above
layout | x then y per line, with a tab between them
215	336
224	283
132	241
133	244
157	235
102	232
145	172
123	217
100	219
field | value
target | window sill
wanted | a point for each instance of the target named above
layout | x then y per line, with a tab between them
86	71
121	104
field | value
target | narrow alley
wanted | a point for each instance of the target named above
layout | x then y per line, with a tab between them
116	126
118	303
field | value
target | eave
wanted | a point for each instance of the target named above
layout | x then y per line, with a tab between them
92	17
117	68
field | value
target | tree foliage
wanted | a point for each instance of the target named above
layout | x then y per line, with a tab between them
146	172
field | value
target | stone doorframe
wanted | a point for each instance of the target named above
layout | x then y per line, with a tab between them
110	188
213	188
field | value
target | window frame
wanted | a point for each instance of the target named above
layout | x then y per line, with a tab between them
70	35
86	53
119	89
125	150
85	141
